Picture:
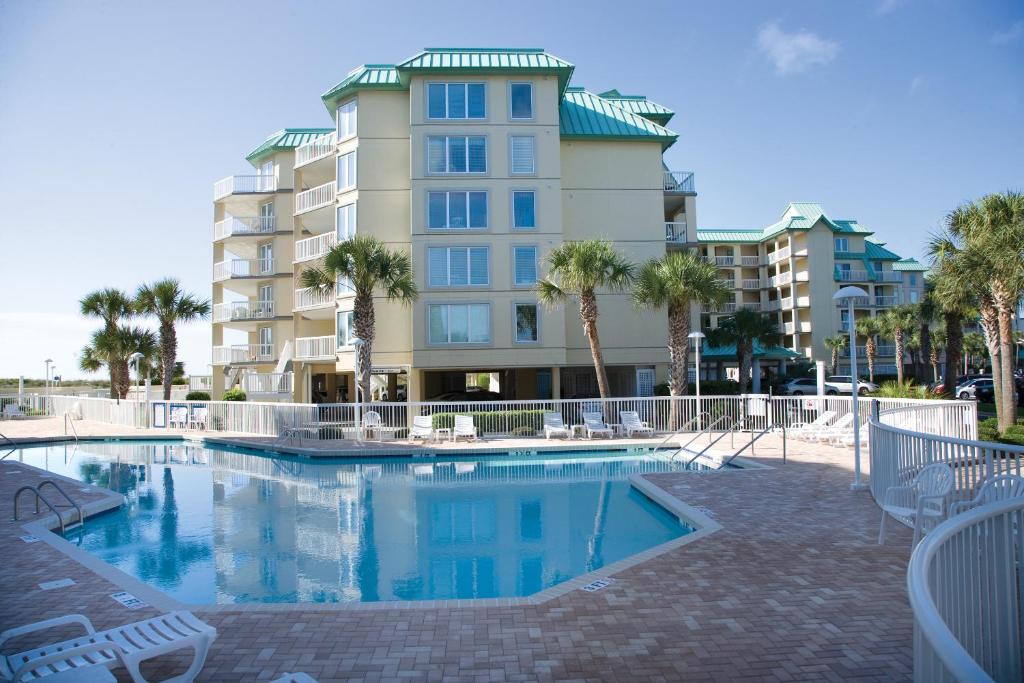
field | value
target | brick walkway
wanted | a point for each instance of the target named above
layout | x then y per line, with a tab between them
792	588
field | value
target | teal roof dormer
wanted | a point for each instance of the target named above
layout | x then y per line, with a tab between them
586	115
639	104
365	77
486	60
286	138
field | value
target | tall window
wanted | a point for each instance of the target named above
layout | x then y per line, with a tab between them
523	161
456	100
266	258
520	100
524	266
267	217
456	210
913	279
265	348
524	209
459	323
844	320
345	333
346	221
844	270
346	171
456	154
347	120
842	244
458	266
527	330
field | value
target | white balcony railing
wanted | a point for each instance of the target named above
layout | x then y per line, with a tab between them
728	282
243	310
313	297
731	307
772	305
679	181
779	255
314	247
751	283
243	353
315	149
886	301
843	275
724	260
315	348
858	301
267	383
781	279
786	302
244	184
243	267
251	225
880	350
200	382
789	328
750	261
675	232
888	276
315	198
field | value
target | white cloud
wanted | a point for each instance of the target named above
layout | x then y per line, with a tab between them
916	83
886	6
1011	34
795	52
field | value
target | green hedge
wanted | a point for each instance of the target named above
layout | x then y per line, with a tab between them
495	421
197	396
234	395
988	430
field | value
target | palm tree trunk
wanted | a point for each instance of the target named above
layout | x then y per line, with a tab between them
588	315
168	353
112	371
900	351
745	357
870	350
990	329
926	351
1008	390
678	349
933	357
954	349
835	360
363	324
123	378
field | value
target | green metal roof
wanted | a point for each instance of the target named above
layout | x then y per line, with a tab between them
797	216
365	77
639	104
728	352
585	115
286	138
488	59
729	235
910	265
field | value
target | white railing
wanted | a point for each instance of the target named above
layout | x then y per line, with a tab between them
880	350
842	275
789	328
728	282
243	353
786	302
267	383
243	310
244	184
243	267
885	301
731	307
251	225
724	260
124	412
315	348
888	276
964	583
679	181
859	301
315	198
750	261
753	283
772	305
675	232
314	247
200	383
315	149
779	255
781	279
313	297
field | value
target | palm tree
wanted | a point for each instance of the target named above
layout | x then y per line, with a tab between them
955	298
369	266
926	310
165	300
974	346
897	323
579	269
674	282
111	306
745	328
835	345
113	348
869	328
938	342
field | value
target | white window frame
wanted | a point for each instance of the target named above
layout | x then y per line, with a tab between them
844	241
533	101
351	116
355	172
266	215
448	211
845	267
512	207
337	329
447	139
448	84
449	305
536	265
511	159
448	266
263	267
515	326
355	218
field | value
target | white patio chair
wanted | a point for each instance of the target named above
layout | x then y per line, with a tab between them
798	429
845	438
179	417
555	426
127	645
464	427
593	424
422	428
12	411
997	488
924	498
836	429
200	417
632	424
372	422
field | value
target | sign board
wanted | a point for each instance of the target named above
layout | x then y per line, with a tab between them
387	370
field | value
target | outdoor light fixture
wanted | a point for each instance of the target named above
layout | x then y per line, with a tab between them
851	293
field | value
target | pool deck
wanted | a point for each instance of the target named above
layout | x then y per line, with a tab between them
792	587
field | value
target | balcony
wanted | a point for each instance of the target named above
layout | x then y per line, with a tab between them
312	297
772	305
750	261
244	184
751	283
243	353
316	149
731	307
200	383
858	302
846	275
888	276
233	226
243	267
676	233
727	261
315	348
679	182
780	280
880	350
786	302
887	301
314	247
243	310
779	255
728	282
277	383
315	198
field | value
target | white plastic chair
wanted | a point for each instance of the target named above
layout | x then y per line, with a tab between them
422	428
464	427
372	422
593	424
555	426
179	417
799	429
632	424
199	418
12	411
127	645
836	429
924	498
997	488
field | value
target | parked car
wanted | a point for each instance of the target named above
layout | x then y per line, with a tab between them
983	389
805	386
844	384
466	396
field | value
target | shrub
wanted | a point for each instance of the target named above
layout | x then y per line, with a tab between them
234	395
713	387
197	396
495	421
1013	435
905	390
662	389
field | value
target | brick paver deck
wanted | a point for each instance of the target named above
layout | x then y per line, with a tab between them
793	587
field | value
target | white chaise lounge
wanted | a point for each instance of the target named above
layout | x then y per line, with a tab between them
800	429
632	424
464	427
422	428
555	426
593	425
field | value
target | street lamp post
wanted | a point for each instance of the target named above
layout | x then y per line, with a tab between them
698	339
851	293
135	360
46	383
359	345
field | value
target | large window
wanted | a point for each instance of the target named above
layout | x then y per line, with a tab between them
456	101
524	209
456	210
458	266
347	120
456	154
459	323
346	171
524	266
345	332
526	322
842	244
346	223
523	157
520	100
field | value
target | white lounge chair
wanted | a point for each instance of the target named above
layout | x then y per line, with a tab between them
997	488
127	646
836	429
798	429
373	423
593	425
924	498
199	419
464	427
555	426
12	411
845	438
422	428
179	417
632	424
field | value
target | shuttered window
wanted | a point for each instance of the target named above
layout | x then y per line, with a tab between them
456	210
523	161
458	266
456	154
459	323
456	100
524	266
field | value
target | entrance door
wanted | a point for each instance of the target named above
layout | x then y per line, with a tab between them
544	384
265	350
265	301
645	381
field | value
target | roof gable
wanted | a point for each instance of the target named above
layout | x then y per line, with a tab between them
365	77
583	114
286	138
639	104
487	59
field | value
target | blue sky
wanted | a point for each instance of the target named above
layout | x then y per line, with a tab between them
116	118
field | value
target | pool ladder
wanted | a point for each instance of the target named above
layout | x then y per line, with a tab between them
70	505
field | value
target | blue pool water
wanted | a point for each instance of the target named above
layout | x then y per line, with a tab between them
214	525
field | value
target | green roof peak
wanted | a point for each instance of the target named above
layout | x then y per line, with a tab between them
537	50
286	138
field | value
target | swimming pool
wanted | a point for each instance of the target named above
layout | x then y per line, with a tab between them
223	526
